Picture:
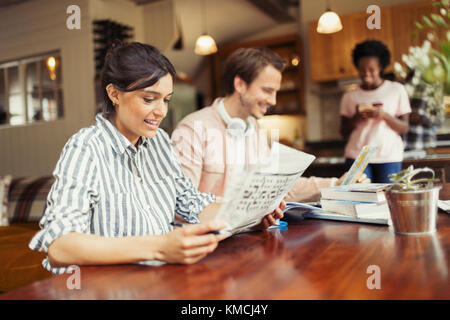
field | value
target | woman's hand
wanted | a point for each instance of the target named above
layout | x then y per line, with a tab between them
362	113
361	179
270	218
191	243
377	112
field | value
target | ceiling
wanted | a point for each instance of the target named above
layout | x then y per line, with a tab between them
5	3
276	9
228	21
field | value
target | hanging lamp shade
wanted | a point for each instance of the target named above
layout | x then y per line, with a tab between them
329	22
205	45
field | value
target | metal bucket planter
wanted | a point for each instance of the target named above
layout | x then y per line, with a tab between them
413	212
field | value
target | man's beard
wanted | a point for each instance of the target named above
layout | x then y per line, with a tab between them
246	103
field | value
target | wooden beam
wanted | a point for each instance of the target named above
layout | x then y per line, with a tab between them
276	9
142	2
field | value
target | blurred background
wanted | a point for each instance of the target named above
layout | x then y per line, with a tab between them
50	62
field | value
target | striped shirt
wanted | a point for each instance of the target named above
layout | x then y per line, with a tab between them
106	186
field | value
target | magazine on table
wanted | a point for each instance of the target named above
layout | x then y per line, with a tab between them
315	211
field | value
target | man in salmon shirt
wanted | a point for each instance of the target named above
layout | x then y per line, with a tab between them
219	140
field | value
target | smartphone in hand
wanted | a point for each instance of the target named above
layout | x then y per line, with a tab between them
365	107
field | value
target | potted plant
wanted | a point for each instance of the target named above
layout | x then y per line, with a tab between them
425	71
413	202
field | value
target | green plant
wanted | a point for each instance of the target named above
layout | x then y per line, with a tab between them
427	70
403	181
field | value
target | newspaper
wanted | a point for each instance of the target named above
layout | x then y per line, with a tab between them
252	194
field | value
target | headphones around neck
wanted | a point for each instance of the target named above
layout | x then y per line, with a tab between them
236	126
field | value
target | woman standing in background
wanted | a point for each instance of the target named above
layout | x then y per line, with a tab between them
375	113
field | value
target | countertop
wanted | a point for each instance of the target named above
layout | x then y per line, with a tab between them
341	160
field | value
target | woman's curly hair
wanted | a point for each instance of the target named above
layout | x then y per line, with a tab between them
372	48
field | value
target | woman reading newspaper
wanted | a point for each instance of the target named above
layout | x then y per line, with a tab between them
119	182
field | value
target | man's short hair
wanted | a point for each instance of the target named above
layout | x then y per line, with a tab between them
247	63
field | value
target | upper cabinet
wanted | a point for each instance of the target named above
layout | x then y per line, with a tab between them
405	16
331	55
290	97
360	32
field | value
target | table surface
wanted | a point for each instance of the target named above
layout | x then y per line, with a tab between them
312	259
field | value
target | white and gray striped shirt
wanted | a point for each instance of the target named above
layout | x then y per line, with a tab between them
106	186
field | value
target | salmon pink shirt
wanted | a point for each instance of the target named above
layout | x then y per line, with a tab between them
209	155
395	102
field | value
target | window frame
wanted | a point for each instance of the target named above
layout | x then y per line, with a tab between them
22	64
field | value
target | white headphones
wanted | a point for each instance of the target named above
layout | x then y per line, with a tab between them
236	126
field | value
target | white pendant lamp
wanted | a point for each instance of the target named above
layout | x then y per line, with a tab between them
329	22
205	44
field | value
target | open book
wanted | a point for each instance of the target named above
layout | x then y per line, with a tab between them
250	195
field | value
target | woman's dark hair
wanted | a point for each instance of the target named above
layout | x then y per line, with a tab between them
131	67
372	48
247	63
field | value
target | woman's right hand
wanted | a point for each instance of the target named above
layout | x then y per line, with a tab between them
191	243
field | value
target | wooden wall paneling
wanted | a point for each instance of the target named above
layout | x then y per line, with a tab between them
330	54
403	17
34	149
360	32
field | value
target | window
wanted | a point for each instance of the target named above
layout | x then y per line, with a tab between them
31	90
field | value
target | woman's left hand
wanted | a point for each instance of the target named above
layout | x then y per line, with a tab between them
361	179
377	112
270	219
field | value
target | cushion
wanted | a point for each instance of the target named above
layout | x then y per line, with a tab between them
27	198
4	191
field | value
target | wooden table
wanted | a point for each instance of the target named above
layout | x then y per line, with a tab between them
313	259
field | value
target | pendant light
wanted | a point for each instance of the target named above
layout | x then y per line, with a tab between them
205	44
329	22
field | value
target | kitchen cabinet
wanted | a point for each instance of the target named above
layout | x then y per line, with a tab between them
330	55
290	97
405	15
360	32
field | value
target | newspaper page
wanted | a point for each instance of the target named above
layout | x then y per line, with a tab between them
252	194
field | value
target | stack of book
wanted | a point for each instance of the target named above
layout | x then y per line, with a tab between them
355	202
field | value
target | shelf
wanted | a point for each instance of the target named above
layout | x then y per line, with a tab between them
293	90
284	113
291	68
